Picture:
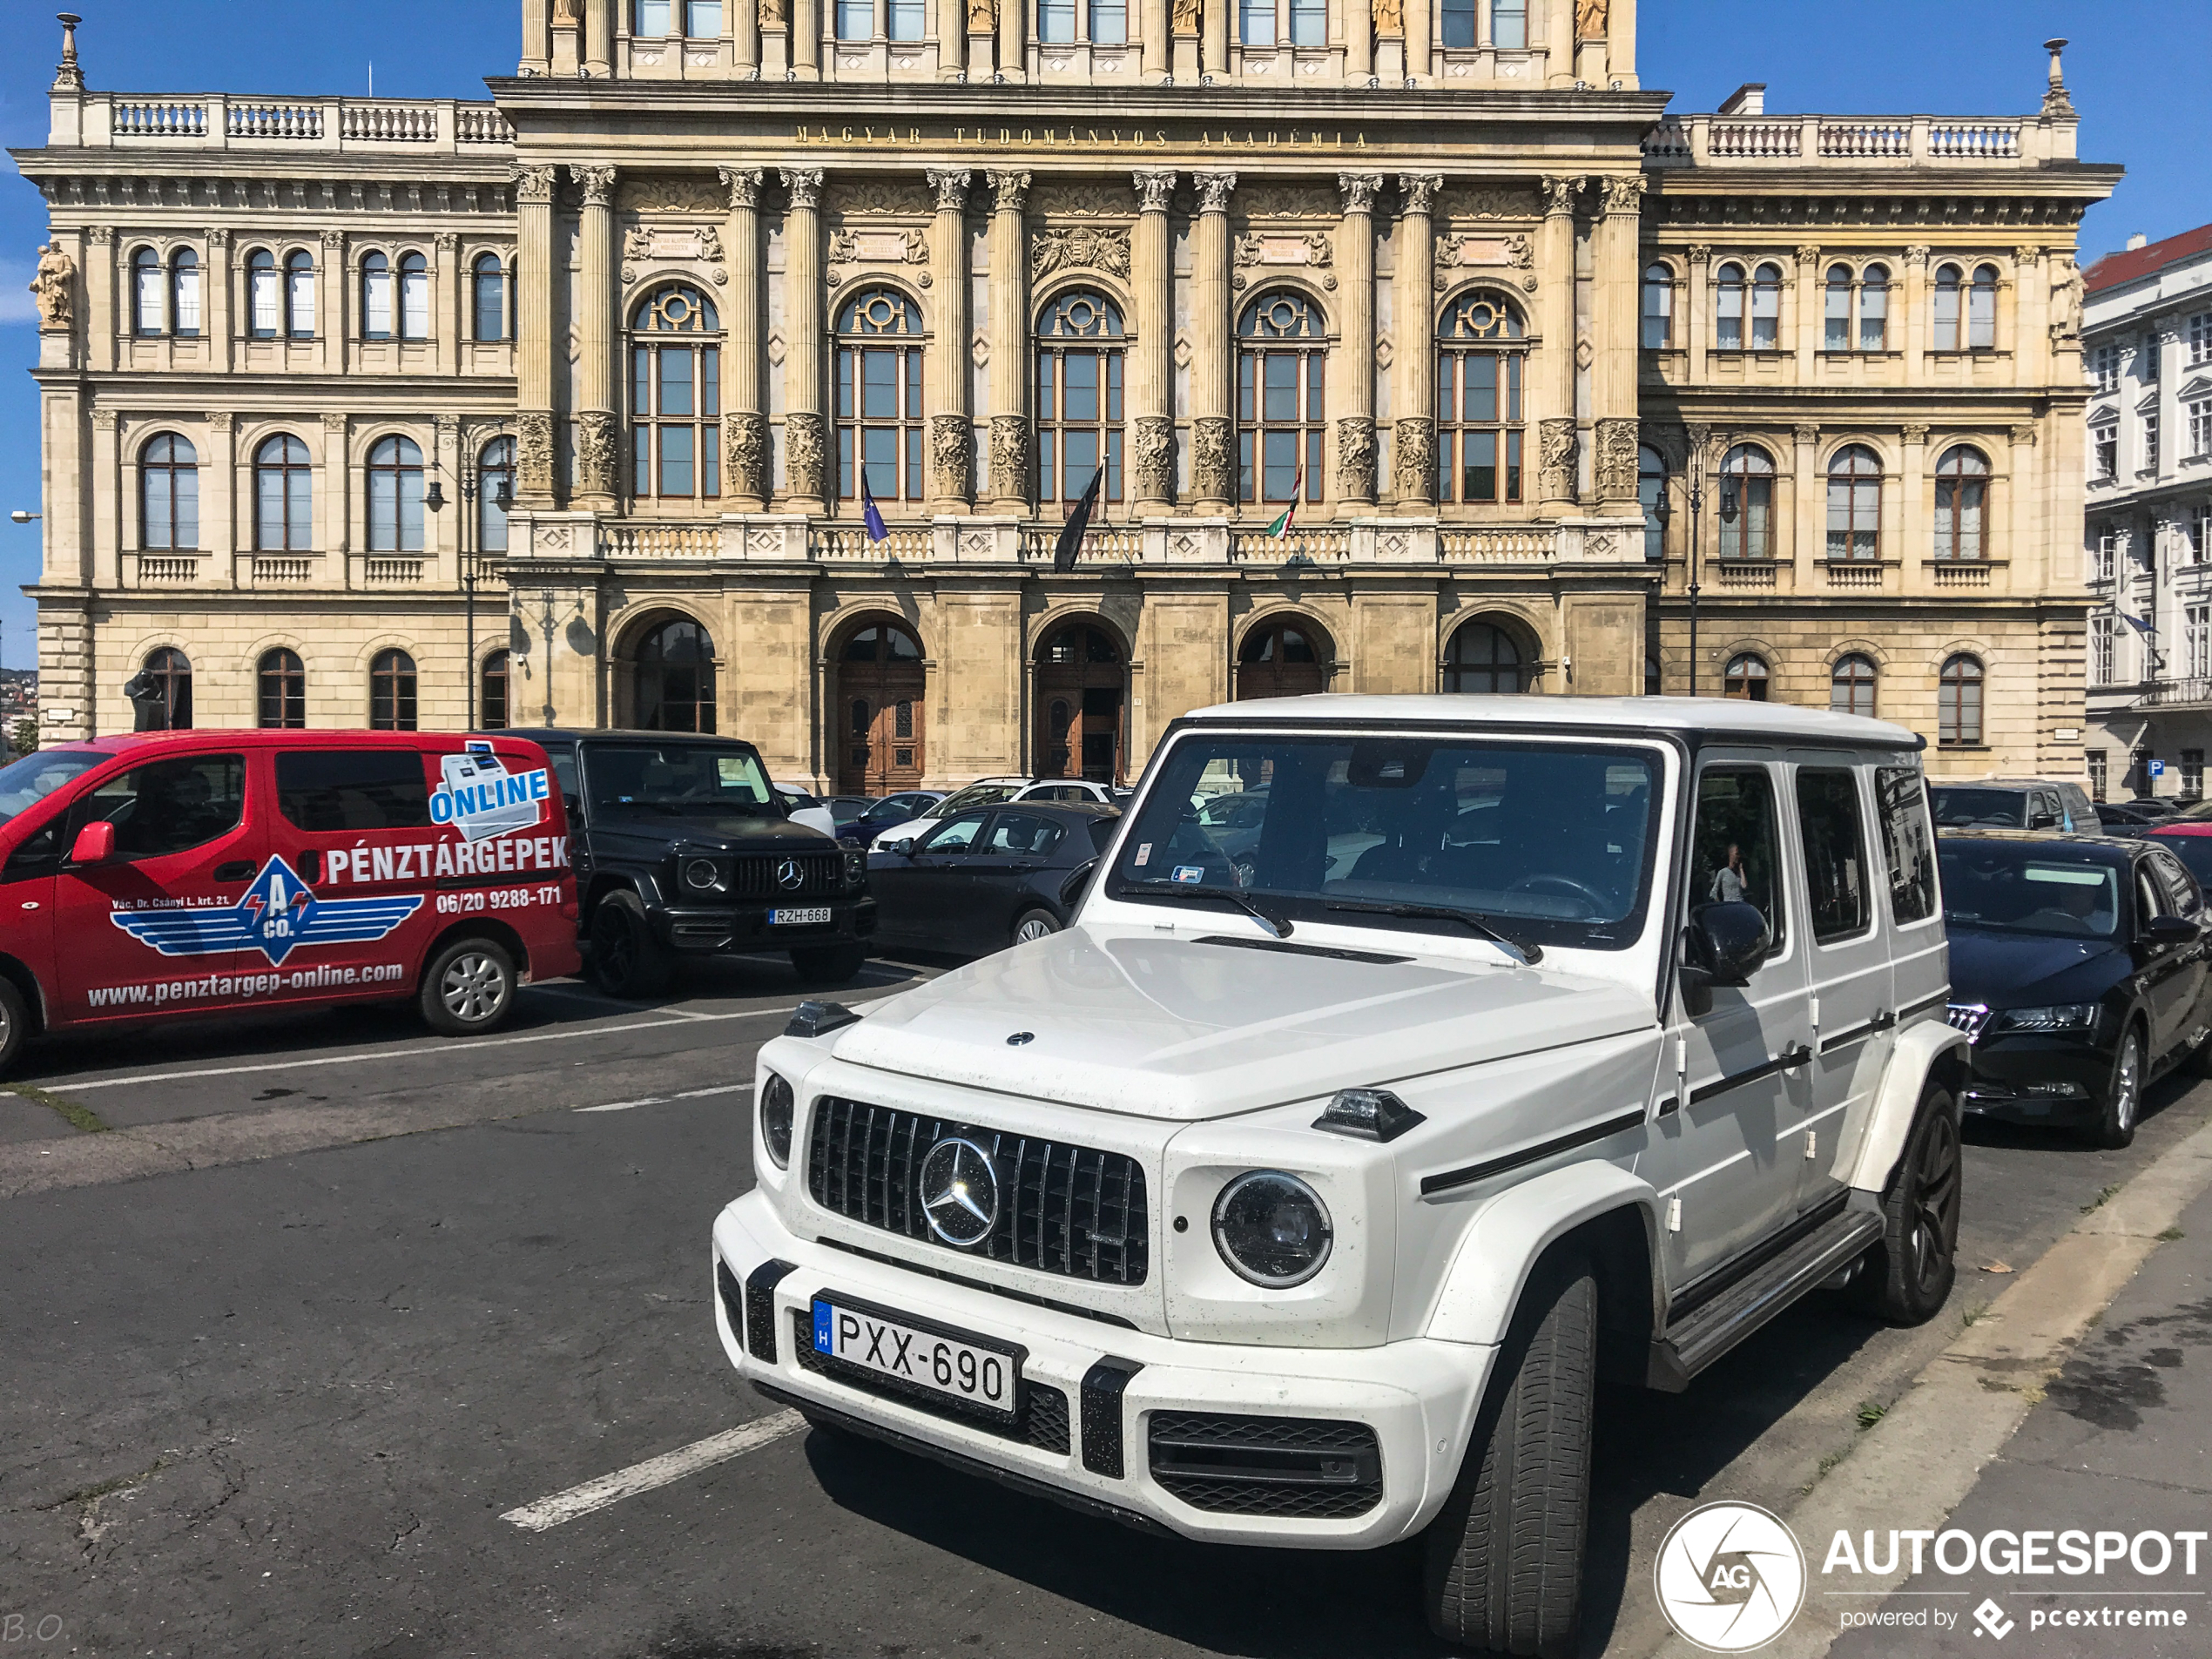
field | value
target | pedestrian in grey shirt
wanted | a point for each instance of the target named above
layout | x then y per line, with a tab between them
1729	886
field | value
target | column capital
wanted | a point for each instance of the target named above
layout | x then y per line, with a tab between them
1359	191
597	184
1700	253
1420	189
1808	253
1213	191
217	240
1917	255
743	184
1915	436
951	185
1559	195
1622	197
532	184
1010	189
805	187
1154	188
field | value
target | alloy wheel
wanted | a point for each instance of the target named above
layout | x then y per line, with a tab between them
611	944
1935	1200
473	987
1036	928
2126	1083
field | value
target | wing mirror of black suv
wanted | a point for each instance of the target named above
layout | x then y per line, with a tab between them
2043	821
904	847
1723	944
2171	930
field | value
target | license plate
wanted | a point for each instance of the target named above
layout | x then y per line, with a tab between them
896	1346
814	915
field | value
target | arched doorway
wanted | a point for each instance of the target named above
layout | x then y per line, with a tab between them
1285	656
878	699
1082	700
672	678
1485	655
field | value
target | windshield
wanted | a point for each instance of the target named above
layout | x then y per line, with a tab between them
975	795
678	778
1959	808
30	780
2029	889
1553	842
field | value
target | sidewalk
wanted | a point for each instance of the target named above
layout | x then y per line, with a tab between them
2120	1444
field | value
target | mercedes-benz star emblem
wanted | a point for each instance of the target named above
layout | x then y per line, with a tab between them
960	1192
788	874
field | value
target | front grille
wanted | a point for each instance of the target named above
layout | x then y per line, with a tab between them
1297	1468
1065	1209
1040	1410
754	876
1973	1018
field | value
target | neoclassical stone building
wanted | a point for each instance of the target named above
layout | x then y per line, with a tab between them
1405	342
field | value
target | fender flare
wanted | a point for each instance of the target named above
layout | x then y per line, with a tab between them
1506	1238
1917	1050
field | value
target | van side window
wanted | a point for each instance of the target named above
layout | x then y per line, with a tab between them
564	778
170	806
1828	820
1734	854
2181	886
1901	804
353	789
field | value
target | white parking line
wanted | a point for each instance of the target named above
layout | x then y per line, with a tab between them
660	1471
662	1100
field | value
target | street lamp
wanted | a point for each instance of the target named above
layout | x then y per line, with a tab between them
21	516
504	498
1701	441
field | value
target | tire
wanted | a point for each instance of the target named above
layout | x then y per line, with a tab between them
1504	1567
2121	1102
830	964
626	960
1035	924
1907	1276
469	988
15	1026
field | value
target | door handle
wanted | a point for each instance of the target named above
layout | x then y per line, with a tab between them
1790	1059
235	870
1882	1021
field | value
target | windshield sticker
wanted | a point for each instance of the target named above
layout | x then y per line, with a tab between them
2067	878
1144	854
1189	874
481	798
276	915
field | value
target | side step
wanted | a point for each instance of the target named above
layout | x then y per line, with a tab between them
1702	1336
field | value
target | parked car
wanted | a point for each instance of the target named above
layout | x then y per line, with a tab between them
845	811
988	791
2132	818
2015	803
990	877
189	873
803	808
2188	838
2078	972
1307	1211
888	813
684	849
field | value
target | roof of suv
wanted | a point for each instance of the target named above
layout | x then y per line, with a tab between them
1713	716
573	733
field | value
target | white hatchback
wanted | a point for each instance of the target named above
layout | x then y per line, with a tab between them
989	792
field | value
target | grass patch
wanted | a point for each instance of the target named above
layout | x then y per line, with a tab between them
1821	1473
2171	1234
2102	1198
78	1116
1974	1315
1871	1412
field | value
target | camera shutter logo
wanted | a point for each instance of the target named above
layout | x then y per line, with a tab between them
788	874
958	1191
1729	1577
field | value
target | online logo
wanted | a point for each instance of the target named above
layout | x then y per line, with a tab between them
1729	1577
1991	1618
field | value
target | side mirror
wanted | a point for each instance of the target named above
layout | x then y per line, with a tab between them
2159	930
2043	820
904	848
1723	944
95	844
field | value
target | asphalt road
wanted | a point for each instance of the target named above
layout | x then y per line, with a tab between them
276	1397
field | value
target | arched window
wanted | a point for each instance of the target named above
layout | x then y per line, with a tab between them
1745	678
395	496
1982	310
1747	504
1948	280
1651	491
1962	504
391	692
300	294
879	397
676	395
1958	702
415	297
1478	362
495	493
184	294
1280	416
169	495
263	300
1851	687
376	297
1728	307
1079	398
1766	308
1484	658
1658	308
674	682
1285	656
1874	309
1855	503
169	669
491	697
284	496
488	299
281	685
1834	334
146	290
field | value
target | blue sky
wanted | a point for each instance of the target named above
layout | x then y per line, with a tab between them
2134	69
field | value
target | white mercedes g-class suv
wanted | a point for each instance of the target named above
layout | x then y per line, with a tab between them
1300	1191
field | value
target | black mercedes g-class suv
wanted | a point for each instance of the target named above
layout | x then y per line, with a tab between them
682	849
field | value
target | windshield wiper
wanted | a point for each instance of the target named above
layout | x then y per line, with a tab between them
1530	955
1278	925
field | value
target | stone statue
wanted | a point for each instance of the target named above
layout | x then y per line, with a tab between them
2066	299
568	14
982	16
1184	18
1590	19
54	288
1390	18
772	15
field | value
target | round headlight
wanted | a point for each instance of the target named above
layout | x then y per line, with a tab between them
776	1106
1272	1229
700	876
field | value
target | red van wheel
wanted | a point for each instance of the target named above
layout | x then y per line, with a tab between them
15	1025
469	988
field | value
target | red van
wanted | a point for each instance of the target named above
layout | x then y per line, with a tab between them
176	872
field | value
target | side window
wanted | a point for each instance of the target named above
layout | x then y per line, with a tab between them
1828	819
956	836
171	806
353	789
2150	899
1735	856
2183	897
564	776
1023	834
2043	810
1906	845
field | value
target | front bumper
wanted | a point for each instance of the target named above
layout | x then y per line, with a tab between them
704	929
1417	1397
2037	1078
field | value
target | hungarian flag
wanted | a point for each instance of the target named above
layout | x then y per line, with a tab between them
1071	533
870	514
1282	524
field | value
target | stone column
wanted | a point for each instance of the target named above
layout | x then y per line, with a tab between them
952	436
744	427
952	40
219	528
806	42
596	426
1695	301
806	436
1359	41
1613	381
1158	40
1554	399
1014	40
1810	494
1151	381
1413	426
337	503
744	24
1213	431
537	40
2031	340
2020	544
599	37
1009	482
1213	41
1812	310
1355	382
334	287
111	500
1417	39
453	295
1916	314
534	484
1913	525
218	320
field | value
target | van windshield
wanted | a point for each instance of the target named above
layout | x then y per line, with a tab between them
30	780
678	778
1550	843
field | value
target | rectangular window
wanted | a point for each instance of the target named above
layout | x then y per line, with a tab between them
1056	22
2196	641
1736	849
2104	368
2147	360
1458	23
376	305
2104	556
415	305
2150	443
2095	760
1836	334
1509	25
1309	22
903	19
2104	451
1906	844
1874	316
2102	651
703	19
300	300
2199	535
1109	23
150	285
1835	843
341	790
265	304
2193	774
855	19
651	20
491	305
1766	316
2200	335
2200	414
1947	316
675	461
1658	313
1256	22
1728	318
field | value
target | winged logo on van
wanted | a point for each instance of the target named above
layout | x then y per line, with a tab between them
276	915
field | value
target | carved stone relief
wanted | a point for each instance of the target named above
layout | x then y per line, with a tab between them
1285	201
1555	459
1154	462
1485	205
1154	190
952	451
595	453
1414	458
1615	461
1080	201
534	452
871	196
1213	475
949	185
745	441
1010	457
691	193
803	454
1356	458
1079	245
533	184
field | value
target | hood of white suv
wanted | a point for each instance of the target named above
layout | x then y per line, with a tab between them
1177	1028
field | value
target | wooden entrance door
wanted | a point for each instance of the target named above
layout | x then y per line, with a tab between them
1284	657
1081	702
880	683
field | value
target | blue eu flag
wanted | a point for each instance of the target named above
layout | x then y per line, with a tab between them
870	515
